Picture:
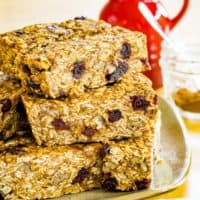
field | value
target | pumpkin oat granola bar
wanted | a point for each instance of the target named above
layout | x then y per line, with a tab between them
32	172
123	110
50	59
29	172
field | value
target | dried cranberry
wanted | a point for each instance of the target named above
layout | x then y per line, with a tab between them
125	50
114	115
33	85
80	18
89	132
110	184
82	174
139	103
26	69
78	69
104	150
121	69
59	124
143	184
6	105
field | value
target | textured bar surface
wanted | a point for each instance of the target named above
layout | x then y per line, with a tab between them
128	165
12	115
123	110
50	59
32	172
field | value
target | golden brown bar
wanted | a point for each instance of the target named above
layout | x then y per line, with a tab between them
32	172
50	59
124	110
29	172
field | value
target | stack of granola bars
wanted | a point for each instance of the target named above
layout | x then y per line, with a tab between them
76	113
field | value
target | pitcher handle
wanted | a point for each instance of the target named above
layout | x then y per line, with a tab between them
181	13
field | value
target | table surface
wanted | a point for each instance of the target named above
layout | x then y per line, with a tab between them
17	13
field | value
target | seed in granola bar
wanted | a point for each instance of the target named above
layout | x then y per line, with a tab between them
57	29
89	132
80	18
110	184
146	63
125	50
105	149
143	184
82	174
114	115
52	27
59	124
6	105
139	103
78	69
33	85
26	69
19	32
121	69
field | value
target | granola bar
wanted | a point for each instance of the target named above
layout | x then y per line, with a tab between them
32	172
123	110
128	165
12	114
50	59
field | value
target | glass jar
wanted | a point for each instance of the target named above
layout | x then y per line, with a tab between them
181	77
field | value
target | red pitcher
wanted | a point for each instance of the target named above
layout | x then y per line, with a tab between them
126	13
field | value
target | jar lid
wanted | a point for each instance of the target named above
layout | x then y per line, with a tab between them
186	60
